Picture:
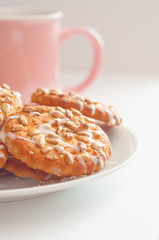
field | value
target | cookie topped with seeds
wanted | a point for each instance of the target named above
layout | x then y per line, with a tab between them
58	141
10	102
86	105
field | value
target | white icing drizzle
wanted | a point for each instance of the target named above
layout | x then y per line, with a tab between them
111	120
12	117
2	146
59	149
67	145
62	121
98	147
82	147
92	107
96	160
11	135
80	159
76	97
59	92
11	106
2	156
98	132
81	104
45	90
46	129
3	136
31	114
85	171
18	95
4	90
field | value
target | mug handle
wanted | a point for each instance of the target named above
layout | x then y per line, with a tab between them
98	47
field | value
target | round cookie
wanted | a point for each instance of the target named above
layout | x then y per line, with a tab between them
20	169
10	102
87	106
3	155
57	141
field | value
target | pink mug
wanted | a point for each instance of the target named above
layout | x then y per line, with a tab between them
29	49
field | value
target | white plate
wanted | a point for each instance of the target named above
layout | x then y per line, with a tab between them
124	148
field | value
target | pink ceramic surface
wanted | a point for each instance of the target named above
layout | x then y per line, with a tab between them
29	49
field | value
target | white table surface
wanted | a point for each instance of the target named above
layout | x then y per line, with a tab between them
123	205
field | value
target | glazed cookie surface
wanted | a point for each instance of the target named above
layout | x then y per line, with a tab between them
3	155
87	106
10	102
58	141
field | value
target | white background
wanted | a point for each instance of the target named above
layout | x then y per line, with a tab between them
130	30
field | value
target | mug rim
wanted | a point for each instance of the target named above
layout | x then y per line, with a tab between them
21	13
